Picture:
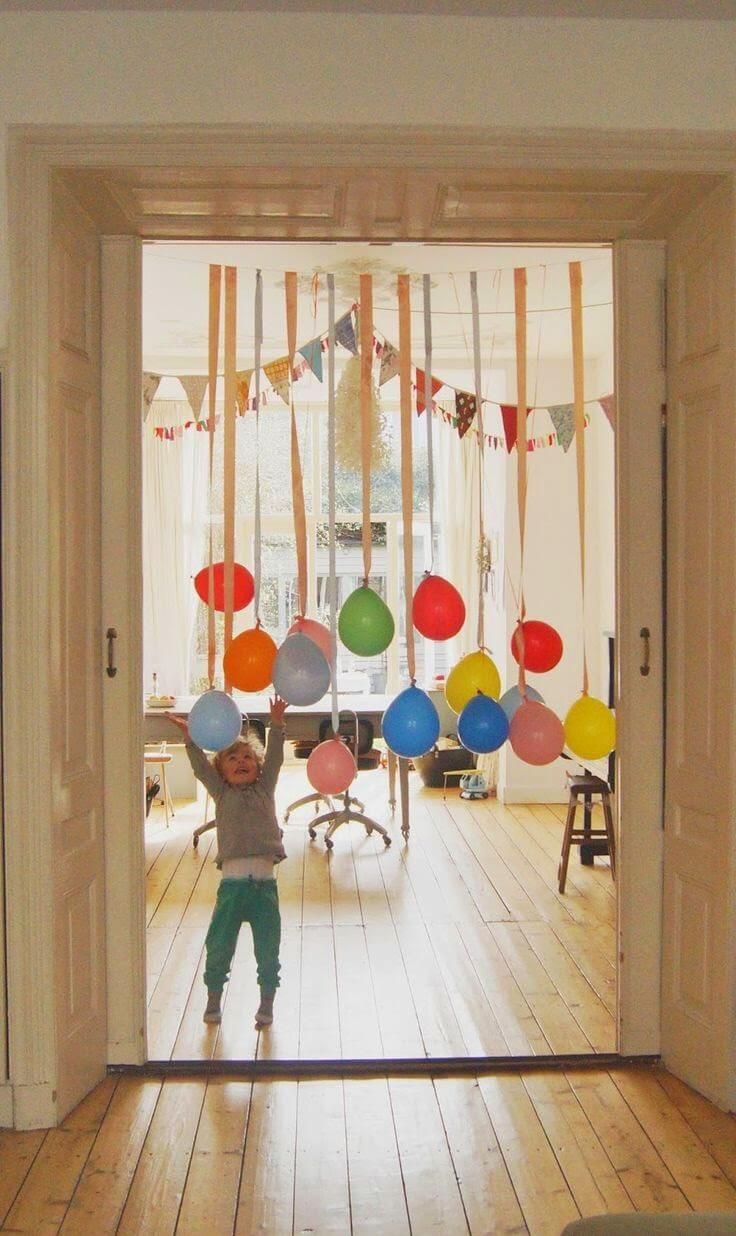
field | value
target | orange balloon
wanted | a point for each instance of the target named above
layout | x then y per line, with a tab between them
248	662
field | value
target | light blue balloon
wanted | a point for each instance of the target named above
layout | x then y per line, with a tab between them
301	674
511	699
411	723
214	721
482	725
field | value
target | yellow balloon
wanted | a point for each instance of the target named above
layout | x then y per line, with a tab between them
590	729
473	673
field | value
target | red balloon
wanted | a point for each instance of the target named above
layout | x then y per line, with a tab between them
243	586
542	646
438	610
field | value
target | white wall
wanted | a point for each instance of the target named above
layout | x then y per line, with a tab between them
152	68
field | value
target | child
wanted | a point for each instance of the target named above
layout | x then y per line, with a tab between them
241	782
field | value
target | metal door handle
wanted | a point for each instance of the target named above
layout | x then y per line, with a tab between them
644	635
112	668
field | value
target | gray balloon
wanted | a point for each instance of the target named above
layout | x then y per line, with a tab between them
301	674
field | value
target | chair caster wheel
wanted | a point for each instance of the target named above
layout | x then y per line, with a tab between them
329	843
368	831
195	842
312	833
387	842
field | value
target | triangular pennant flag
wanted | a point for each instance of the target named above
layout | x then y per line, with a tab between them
563	419
242	389
312	353
277	373
608	403
151	382
195	386
419	384
345	332
508	415
466	406
389	363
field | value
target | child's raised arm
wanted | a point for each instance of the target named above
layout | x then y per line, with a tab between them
180	722
278	708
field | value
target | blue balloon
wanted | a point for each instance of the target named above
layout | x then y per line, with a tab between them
411	723
482	725
214	721
511	699
301	674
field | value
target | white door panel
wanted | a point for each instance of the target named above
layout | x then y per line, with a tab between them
697	976
75	656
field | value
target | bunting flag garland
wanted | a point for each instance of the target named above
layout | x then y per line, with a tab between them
312	353
151	382
563	419
345	332
278	374
466	406
608	403
195	387
389	363
510	417
242	389
421	401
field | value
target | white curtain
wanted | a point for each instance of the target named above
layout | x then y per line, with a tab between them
174	521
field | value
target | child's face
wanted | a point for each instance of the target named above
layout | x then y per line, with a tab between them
239	766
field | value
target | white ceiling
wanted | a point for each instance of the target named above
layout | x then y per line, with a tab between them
665	9
175	298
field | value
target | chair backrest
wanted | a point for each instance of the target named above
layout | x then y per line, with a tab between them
346	729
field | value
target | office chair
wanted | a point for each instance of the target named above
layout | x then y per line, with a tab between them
158	757
359	735
302	751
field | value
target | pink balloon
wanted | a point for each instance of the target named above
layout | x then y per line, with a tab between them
331	767
315	631
536	734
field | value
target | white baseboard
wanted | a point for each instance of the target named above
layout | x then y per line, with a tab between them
34	1106
6	1106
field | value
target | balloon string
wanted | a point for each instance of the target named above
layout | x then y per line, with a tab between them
521	454
427	290
215	286
228	485
576	306
331	494
407	471
366	402
297	479
480	634
258	315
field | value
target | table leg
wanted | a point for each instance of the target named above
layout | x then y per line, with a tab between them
391	779
404	795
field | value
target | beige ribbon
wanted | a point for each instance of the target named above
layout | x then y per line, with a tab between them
521	348
407	471
578	379
366	404
228	477
215	286
297	480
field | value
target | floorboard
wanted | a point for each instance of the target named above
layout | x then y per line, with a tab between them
455	942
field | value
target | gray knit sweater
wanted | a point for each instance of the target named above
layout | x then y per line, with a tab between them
245	815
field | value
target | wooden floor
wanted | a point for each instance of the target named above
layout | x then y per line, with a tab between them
513	1153
457	944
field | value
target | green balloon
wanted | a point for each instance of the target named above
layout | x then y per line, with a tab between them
365	623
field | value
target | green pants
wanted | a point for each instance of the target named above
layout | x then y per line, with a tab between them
244	901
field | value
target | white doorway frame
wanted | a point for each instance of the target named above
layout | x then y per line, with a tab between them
38	154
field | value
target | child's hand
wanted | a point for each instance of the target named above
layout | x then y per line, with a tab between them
278	708
180	722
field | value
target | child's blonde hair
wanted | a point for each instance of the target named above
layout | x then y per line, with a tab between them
252	741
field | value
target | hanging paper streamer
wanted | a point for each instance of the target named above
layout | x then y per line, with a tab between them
481	480
407	471
215	285
231	276
366	397
258	324
297	481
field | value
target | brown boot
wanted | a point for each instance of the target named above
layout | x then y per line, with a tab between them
264	1013
213	1012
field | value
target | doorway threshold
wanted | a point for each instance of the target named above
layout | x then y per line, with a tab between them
421	1066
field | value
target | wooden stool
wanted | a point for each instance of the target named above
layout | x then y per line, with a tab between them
159	757
597	840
